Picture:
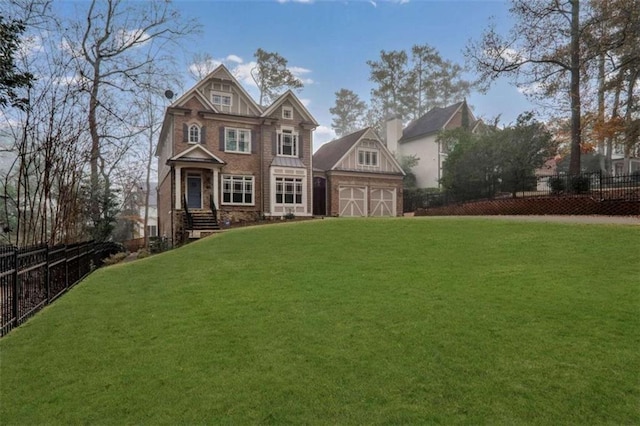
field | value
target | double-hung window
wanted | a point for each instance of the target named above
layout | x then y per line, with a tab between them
288	190
237	190
368	158
194	134
237	140
288	143
287	113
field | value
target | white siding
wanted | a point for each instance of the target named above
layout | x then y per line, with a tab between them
426	149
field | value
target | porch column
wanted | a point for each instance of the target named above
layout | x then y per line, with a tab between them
214	186
178	188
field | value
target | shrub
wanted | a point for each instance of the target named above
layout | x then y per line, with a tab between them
289	216
557	185
115	258
580	184
142	253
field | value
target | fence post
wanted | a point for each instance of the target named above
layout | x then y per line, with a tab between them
47	277
16	287
600	183
66	267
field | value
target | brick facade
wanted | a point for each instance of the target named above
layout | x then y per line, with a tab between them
334	181
211	160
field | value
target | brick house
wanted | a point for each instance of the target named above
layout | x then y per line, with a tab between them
223	157
357	176
419	138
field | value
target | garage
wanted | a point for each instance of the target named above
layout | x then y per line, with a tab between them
383	202
353	201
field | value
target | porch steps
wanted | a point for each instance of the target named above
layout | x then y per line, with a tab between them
203	221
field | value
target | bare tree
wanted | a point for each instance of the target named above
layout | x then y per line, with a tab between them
113	46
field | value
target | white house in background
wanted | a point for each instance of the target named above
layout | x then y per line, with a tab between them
152	221
419	138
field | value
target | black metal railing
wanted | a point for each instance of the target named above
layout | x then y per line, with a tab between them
598	186
214	210
187	213
32	277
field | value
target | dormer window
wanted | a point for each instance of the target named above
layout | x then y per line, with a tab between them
368	158
287	113
194	133
221	99
287	143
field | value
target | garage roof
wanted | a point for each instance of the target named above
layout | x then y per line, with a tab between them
331	152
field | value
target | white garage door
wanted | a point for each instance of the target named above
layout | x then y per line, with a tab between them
353	201
383	202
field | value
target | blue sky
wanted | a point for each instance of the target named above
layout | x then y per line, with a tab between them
329	42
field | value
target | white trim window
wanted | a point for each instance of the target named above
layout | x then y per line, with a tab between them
289	190
368	158
152	230
287	113
287	143
194	133
237	140
238	190
221	99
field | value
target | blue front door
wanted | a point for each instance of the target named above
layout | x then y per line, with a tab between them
194	192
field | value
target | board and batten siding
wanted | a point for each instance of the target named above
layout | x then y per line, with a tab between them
386	164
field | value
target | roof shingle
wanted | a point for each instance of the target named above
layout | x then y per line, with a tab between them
331	152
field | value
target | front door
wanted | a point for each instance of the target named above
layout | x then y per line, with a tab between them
194	191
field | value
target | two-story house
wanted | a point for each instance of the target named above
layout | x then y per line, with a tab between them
223	157
420	138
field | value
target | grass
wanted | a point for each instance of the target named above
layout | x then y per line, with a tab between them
345	322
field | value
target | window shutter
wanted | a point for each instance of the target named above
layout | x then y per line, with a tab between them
254	142
185	133
222	139
203	135
275	143
300	146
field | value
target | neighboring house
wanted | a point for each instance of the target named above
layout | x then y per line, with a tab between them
622	166
419	138
152	220
356	175
224	157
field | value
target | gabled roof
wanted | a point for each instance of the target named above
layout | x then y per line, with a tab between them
220	72
293	98
432	122
328	155
197	153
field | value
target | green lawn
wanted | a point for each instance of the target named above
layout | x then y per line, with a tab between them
345	322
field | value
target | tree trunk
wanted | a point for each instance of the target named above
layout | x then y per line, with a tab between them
574	165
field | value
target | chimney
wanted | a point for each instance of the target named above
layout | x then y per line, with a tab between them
394	133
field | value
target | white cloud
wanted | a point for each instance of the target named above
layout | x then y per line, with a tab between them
305	102
127	37
234	58
530	89
322	135
299	72
243	73
295	1
373	3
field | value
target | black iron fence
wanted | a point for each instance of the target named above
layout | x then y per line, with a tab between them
598	186
33	277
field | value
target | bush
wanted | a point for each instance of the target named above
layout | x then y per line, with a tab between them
142	253
289	216
114	258
557	185
580	184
